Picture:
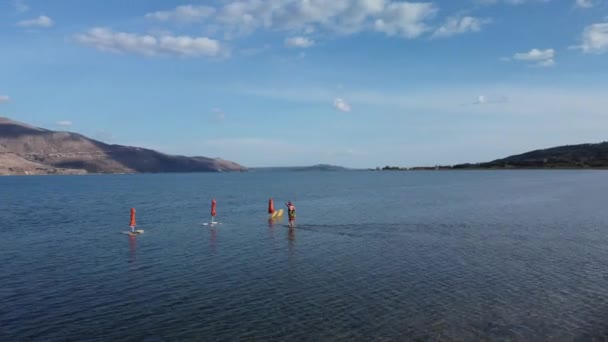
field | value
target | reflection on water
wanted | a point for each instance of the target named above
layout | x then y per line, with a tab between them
291	235
271	228
291	245
273	223
213	240
132	248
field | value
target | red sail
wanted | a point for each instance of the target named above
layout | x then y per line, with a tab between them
132	224
270	206
213	207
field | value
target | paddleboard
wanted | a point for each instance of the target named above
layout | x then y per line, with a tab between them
137	232
211	223
277	213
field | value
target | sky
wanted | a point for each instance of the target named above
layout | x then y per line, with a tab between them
358	83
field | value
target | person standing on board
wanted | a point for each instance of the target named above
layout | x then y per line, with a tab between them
291	212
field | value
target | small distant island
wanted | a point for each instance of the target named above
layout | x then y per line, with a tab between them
318	167
581	156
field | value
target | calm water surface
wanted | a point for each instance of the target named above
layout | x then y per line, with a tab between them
445	256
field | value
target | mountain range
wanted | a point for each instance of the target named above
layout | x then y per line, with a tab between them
28	150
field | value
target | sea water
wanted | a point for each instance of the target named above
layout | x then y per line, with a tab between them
439	255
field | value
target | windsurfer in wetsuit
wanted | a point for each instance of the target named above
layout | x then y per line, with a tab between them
291	212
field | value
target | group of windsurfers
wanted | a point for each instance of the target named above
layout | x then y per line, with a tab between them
291	213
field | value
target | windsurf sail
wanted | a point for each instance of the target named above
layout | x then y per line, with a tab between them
132	223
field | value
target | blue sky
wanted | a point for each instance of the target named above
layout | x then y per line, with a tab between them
360	83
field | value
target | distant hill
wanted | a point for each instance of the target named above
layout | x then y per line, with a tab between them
319	167
25	149
569	156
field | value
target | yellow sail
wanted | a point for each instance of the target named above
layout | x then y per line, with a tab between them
277	213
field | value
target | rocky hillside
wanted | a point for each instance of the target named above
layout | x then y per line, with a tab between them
25	149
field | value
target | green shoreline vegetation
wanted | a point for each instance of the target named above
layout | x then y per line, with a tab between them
568	157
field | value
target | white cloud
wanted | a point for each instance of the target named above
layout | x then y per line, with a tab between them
485	99
406	19
594	39
341	105
585	3
543	58
535	55
299	42
105	39
64	123
189	46
459	25
301	13
241	17
546	63
4	98
359	16
20	6
183	14
42	21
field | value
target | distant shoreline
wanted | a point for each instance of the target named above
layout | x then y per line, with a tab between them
319	171
491	169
